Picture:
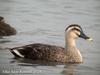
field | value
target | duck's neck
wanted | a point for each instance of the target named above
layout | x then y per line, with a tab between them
72	51
70	43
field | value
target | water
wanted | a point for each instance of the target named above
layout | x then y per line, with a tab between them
44	21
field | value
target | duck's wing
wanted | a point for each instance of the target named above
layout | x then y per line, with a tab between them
37	51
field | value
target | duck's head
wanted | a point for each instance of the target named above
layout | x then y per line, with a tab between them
1	19
75	31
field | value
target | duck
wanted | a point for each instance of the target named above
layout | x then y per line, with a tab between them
53	53
6	29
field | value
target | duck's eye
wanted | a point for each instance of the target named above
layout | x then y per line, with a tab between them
77	31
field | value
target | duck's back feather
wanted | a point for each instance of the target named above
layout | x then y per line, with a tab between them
40	52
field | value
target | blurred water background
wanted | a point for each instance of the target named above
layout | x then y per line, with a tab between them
44	21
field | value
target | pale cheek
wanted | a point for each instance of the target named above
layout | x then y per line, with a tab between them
77	33
73	35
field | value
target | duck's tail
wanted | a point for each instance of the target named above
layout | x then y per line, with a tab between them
15	52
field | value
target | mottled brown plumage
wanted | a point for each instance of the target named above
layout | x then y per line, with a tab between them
6	29
69	54
42	52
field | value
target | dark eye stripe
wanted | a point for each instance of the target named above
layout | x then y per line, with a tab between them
76	29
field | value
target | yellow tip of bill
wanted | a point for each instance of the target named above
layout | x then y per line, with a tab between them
90	39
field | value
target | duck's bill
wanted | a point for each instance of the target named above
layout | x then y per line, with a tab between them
89	39
85	37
